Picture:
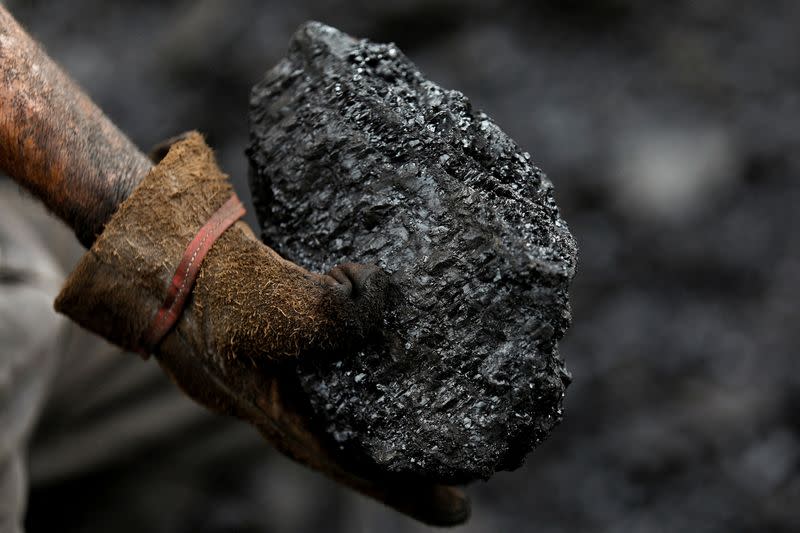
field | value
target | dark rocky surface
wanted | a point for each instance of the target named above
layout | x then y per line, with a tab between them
669	130
356	156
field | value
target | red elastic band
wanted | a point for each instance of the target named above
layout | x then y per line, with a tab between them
187	271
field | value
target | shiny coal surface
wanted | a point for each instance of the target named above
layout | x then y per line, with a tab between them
356	156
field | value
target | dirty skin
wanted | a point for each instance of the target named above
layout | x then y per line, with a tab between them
56	143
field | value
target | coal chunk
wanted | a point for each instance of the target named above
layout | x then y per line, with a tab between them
356	156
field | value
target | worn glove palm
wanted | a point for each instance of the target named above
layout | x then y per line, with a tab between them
250	314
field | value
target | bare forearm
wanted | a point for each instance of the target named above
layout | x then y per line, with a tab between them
56	143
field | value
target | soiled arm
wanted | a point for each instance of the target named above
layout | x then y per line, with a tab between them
56	143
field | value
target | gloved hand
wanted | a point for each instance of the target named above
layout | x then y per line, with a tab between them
248	316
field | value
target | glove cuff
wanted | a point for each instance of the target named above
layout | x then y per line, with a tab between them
186	274
119	286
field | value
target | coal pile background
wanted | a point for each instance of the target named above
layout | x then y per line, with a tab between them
670	134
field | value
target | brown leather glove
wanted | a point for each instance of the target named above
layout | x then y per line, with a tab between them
250	313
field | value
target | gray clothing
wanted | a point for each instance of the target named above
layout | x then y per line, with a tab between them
29	277
54	373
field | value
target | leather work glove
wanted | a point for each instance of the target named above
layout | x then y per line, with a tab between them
249	315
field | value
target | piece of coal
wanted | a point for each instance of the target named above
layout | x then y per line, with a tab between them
355	156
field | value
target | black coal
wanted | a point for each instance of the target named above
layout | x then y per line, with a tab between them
355	156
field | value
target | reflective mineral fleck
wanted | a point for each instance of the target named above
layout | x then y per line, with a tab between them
356	156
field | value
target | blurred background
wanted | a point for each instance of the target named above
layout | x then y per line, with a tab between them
670	133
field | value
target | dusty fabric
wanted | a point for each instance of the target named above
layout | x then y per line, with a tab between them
71	403
28	279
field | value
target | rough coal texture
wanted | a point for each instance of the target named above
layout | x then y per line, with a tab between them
357	157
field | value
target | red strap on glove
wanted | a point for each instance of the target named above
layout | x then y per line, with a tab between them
186	273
